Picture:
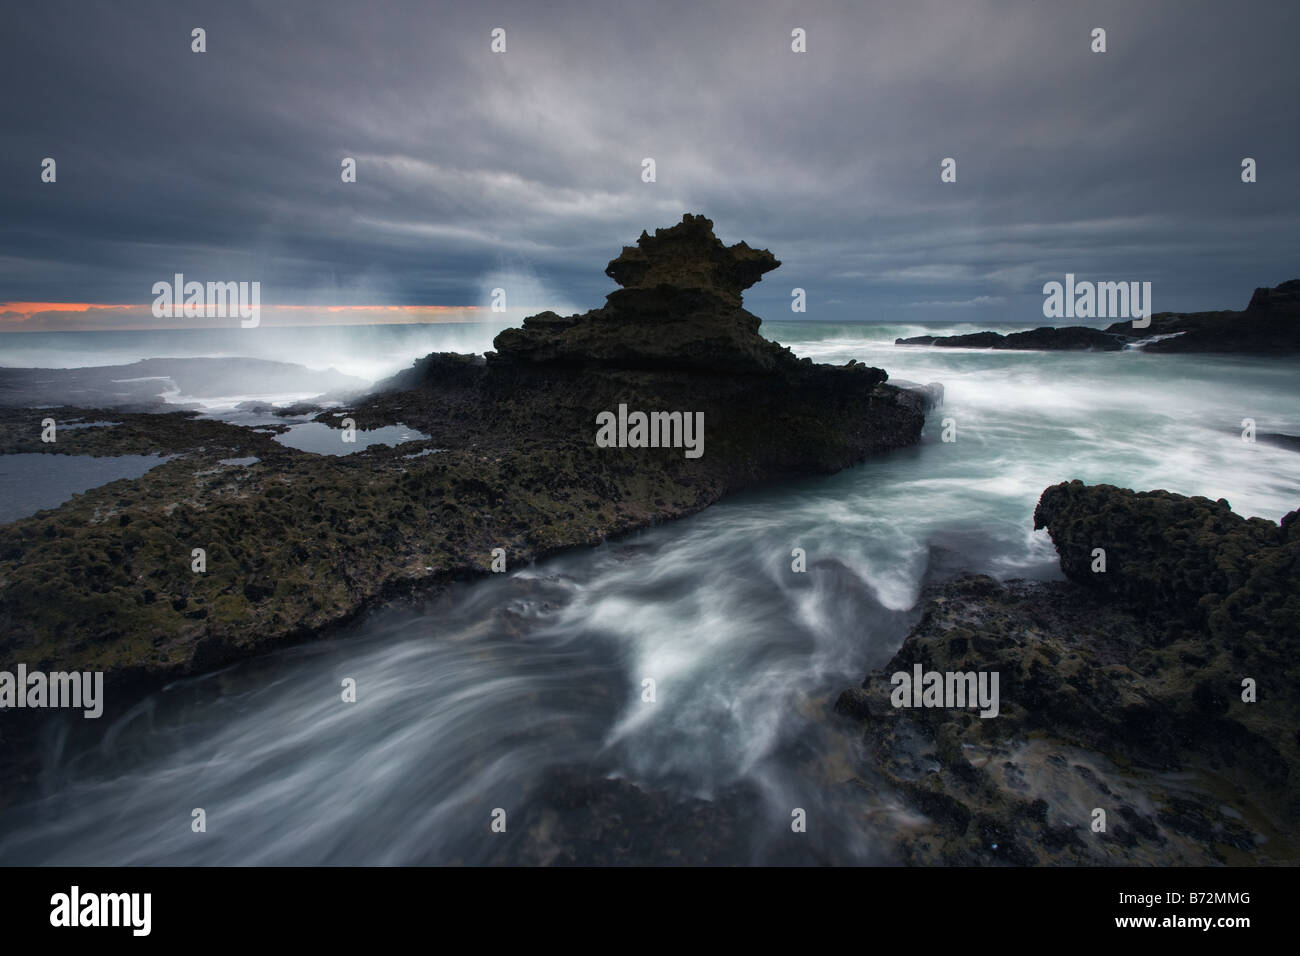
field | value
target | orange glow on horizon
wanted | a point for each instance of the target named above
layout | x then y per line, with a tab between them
109	317
31	307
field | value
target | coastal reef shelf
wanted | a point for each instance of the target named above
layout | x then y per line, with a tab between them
1148	712
295	543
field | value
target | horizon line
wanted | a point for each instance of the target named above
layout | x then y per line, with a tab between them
29	316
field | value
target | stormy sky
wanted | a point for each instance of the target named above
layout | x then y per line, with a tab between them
474	165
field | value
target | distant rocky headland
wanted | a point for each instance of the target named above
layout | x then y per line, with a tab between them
295	543
1269	325
138	387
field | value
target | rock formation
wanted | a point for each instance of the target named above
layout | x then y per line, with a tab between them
1072	338
1270	325
679	308
1108	682
297	543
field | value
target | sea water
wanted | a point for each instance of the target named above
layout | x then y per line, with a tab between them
463	705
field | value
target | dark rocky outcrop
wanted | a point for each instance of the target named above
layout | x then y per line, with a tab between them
297	543
1188	562
1269	325
1280	439
1074	338
1119	690
971	340
680	309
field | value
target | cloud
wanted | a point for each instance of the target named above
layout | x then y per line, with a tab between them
951	272
978	300
226	164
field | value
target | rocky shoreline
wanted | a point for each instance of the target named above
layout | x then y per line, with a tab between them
1269	325
1074	338
1121	691
296	544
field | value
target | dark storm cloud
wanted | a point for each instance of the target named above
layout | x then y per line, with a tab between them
471	165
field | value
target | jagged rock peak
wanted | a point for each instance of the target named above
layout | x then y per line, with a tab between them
689	256
1281	298
680	308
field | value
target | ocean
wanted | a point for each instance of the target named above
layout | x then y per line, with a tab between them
465	704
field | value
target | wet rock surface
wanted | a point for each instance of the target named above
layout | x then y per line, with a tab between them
1119	690
578	816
